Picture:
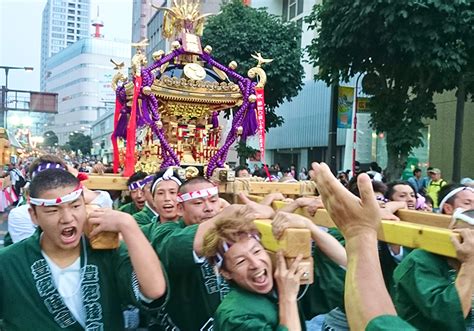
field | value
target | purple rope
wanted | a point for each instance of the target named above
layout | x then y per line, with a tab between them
219	158
245	115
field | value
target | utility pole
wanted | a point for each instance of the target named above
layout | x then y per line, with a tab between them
332	138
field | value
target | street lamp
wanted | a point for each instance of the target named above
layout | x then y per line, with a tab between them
4	101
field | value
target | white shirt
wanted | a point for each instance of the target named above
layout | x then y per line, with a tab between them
68	284
20	225
103	200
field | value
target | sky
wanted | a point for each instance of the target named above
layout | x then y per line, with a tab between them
20	35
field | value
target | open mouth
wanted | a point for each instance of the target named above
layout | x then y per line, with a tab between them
69	235
260	277
168	208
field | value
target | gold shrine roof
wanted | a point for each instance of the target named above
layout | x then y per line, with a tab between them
187	90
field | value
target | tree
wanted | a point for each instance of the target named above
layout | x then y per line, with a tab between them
408	49
79	141
50	139
239	31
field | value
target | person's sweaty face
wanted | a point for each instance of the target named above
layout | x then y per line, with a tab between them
198	210
138	198
63	224
164	200
464	199
249	266
405	193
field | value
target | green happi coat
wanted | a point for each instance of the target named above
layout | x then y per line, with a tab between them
196	289
388	323
144	216
425	294
30	301
129	208
244	310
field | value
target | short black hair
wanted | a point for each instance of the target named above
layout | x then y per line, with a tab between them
51	179
416	170
444	191
139	175
391	188
196	180
240	168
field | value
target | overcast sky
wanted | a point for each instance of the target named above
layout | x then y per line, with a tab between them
20	35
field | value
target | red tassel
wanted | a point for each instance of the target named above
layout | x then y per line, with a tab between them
82	176
131	130
118	106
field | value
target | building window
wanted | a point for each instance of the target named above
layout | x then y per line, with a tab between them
71	5
70	30
71	11
292	9
69	24
70	37
69	43
70	18
57	35
56	22
57	29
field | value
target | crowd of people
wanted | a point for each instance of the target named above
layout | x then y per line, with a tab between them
188	260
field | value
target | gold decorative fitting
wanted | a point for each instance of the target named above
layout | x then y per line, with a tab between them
252	98
146	90
208	49
158	55
240	130
232	65
159	124
175	44
188	110
182	17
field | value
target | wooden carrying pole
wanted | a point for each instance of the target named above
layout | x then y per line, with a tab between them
411	231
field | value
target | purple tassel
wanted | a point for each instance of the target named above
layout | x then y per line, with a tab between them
121	130
215	120
249	124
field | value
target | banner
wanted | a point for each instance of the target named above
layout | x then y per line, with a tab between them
344	107
259	92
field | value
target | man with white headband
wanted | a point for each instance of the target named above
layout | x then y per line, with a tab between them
197	289
59	280
433	292
20	225
164	191
135	187
146	215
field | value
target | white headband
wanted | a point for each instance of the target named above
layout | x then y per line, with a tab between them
459	215
168	175
208	192
452	194
70	197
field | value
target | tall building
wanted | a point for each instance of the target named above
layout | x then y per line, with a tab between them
303	137
141	14
81	74
64	23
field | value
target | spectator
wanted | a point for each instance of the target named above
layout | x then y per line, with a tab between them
435	185
417	181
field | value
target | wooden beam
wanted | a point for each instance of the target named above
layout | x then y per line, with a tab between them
409	234
430	238
106	182
292	243
251	186
412	216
